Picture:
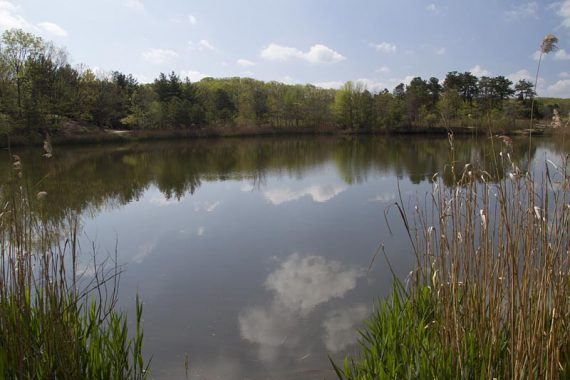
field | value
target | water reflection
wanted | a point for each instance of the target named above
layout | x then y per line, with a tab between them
95	179
299	285
340	326
318	193
208	227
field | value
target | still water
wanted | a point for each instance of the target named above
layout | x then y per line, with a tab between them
252	256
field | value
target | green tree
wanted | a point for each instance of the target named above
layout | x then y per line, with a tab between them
18	47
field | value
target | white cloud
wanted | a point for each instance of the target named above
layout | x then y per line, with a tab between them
52	28
8	17
522	11
564	74
383	69
143	79
384	47
194	76
317	54
564	12
289	80
201	45
479	71
526	75
432	8
522	74
192	19
559	89
562	55
335	85
440	51
135	4
318	193
158	55
200	231
369	84
244	63
206	45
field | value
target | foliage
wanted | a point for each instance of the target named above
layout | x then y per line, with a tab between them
489	297
57	320
40	92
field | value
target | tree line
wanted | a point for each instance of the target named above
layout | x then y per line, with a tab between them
40	91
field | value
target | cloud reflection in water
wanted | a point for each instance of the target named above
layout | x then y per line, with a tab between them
299	285
318	193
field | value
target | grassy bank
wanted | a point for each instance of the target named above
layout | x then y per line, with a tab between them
93	135
490	295
58	319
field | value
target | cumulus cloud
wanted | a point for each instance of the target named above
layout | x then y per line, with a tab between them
479	71
559	89
334	85
384	47
244	63
520	75
564	12
193	75
192	19
562	55
440	51
52	28
158	56
9	18
317	54
526	75
369	84
523	11
564	74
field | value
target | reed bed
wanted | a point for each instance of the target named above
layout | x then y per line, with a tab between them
489	298
57	321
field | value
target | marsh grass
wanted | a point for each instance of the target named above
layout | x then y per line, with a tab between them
490	295
57	321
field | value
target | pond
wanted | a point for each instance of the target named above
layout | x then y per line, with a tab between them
255	258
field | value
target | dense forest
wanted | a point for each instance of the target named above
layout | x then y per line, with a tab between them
40	91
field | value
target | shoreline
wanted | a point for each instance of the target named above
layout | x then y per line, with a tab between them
102	136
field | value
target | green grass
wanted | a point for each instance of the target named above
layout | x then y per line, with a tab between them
57	321
490	297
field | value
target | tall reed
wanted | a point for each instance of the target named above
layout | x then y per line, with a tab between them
57	321
490	295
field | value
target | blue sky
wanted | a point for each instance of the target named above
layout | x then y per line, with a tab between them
325	42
